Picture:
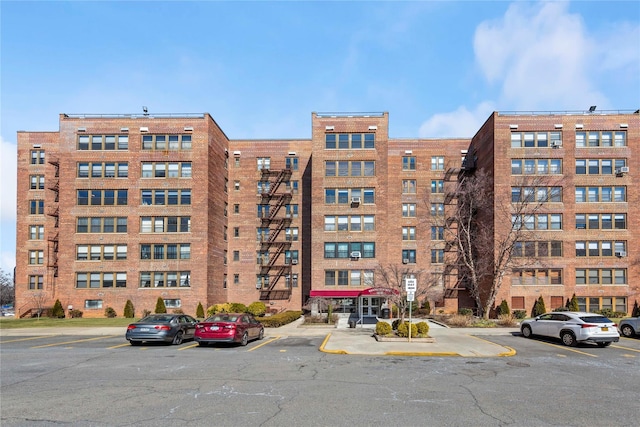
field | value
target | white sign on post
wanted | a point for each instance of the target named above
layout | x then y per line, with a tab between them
411	296
410	285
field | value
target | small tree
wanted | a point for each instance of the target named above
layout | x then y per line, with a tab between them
110	312
504	308
7	291
636	310
200	311
573	304
57	311
39	299
539	307
160	307
257	308
129	311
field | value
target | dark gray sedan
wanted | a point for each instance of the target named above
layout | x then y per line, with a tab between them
170	328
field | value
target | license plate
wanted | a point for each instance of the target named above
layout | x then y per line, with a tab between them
144	329
214	328
605	329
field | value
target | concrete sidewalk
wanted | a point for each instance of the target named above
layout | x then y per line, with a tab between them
464	342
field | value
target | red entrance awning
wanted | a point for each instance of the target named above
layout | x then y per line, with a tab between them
351	293
335	293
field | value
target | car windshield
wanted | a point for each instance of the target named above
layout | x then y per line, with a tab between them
222	318
157	319
595	319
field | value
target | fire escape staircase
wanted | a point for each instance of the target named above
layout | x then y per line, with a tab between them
277	201
52	259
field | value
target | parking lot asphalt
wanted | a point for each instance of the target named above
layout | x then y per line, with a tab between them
444	341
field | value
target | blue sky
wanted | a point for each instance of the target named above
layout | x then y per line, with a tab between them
260	68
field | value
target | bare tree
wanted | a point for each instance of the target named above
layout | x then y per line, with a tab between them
392	277
39	299
491	236
7	290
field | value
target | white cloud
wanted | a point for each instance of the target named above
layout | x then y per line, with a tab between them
459	123
543	57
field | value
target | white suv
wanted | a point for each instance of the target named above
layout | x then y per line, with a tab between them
572	327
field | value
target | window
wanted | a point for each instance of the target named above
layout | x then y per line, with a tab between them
409	210
536	277
236	231
170	224
536	166
437	233
37	182
36	207
343	141
437	209
36	232
408	186
408	256
592	139
159	142
165	197
36	257
437	163
291	163
600	194
408	163
349	168
537	249
408	233
101	280
37	157
36	282
93	304
437	186
535	139
599	166
101	225
597	248
536	194
264	163
601	221
538	221
437	256
344	249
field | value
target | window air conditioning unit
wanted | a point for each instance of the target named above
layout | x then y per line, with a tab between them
623	169
258	286
355	200
621	254
355	254
294	261
556	144
405	261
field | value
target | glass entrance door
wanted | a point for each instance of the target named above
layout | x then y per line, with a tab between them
370	306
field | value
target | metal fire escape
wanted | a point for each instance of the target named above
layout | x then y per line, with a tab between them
453	281
54	211
273	245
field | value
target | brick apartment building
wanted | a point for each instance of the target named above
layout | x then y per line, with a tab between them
135	207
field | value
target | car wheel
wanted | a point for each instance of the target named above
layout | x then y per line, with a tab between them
526	331
568	339
627	331
245	339
261	334
132	342
177	340
604	344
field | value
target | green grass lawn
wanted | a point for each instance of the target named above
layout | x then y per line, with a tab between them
46	322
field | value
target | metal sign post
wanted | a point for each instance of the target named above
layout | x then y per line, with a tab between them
410	285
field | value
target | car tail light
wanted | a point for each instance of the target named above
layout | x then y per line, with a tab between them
199	326
130	327
229	326
588	325
162	327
